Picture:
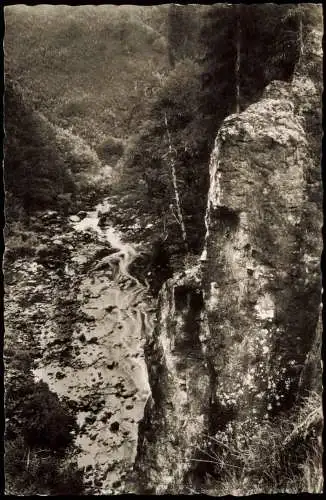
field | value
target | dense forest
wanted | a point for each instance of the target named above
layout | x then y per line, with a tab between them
48	161
92	69
142	91
190	98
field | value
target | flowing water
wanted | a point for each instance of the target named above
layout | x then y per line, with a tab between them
214	192
108	378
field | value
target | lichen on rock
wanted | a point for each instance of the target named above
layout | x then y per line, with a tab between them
233	335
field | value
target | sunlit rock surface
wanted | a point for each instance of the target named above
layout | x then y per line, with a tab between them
222	362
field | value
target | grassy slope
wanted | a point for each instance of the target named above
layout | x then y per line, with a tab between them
87	70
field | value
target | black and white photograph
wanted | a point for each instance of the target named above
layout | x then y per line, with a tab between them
163	239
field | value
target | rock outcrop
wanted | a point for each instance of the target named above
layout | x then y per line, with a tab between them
176	413
234	333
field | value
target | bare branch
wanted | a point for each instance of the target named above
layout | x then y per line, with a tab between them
179	217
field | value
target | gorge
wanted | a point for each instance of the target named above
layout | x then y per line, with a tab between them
163	289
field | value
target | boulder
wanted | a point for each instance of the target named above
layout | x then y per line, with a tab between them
82	214
114	427
74	218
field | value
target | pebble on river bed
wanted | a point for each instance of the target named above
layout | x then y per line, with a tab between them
106	417
114	427
74	218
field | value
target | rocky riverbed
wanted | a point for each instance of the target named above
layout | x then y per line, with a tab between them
88	318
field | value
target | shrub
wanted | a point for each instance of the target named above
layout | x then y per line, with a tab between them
31	471
110	149
284	456
38	435
50	423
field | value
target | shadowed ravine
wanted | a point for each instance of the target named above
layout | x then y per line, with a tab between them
162	284
108	378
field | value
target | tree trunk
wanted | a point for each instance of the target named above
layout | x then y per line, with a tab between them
238	59
300	32
175	186
28	458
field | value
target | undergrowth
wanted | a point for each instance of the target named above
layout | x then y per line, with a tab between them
39	430
283	456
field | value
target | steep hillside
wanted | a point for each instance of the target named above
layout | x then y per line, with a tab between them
93	68
165	166
46	166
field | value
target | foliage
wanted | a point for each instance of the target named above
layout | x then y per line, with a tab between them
110	149
35	472
78	157
50	424
45	163
196	96
183	31
269	49
284	455
22	242
34	172
37	414
39	432
98	61
46	166
147	159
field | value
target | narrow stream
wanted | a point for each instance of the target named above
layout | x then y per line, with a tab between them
108	377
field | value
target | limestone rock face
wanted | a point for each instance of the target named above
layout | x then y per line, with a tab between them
234	334
262	281
175	415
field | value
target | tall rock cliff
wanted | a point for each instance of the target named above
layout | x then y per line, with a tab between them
234	332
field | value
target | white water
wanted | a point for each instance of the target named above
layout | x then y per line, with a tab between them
214	192
126	252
